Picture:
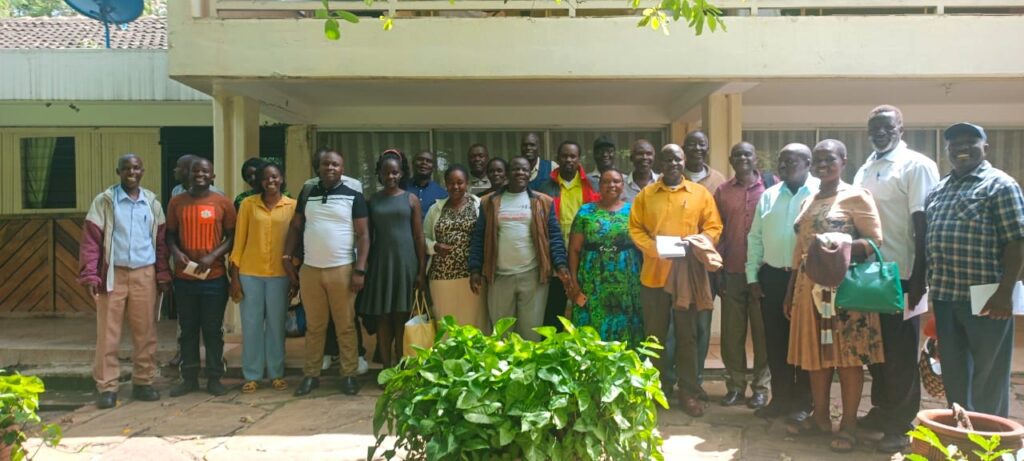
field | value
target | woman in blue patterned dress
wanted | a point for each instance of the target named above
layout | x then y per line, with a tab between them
606	266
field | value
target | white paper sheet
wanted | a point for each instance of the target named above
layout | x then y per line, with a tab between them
921	307
981	293
193	269
670	246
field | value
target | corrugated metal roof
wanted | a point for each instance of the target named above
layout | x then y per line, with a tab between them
80	32
92	75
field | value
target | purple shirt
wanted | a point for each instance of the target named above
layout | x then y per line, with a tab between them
736	205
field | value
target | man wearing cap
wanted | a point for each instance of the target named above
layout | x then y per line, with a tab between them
604	158
975	237
899	179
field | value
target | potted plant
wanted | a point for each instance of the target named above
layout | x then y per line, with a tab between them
19	401
476	396
947	434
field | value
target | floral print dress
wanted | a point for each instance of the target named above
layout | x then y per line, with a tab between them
609	275
857	336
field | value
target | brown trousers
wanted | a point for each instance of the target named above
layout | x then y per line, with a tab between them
134	297
325	295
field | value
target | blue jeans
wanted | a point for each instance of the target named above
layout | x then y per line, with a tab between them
263	308
975	355
201	305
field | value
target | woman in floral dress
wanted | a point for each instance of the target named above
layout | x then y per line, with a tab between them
856	336
606	266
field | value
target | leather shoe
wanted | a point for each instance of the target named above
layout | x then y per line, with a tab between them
772	411
798	416
871	422
892	443
349	386
693	407
106	400
756	401
214	387
307	385
731	398
184	387
145	393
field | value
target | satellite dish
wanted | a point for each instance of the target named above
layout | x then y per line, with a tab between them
108	11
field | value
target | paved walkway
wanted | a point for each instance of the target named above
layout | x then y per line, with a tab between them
272	425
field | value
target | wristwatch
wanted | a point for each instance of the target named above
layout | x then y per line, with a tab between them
359	271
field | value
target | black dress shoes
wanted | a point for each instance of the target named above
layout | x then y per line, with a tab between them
145	393
307	385
349	386
731	398
184	387
772	411
756	401
106	400
215	388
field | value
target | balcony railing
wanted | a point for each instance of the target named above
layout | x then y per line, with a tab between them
276	9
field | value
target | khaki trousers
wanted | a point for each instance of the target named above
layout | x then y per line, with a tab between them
326	296
739	308
134	297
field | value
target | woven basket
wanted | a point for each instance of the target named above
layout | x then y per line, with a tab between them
931	371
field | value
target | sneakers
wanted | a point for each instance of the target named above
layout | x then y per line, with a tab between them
363	366
327	362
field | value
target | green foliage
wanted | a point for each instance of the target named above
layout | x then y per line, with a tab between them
696	13
568	397
19	401
989	448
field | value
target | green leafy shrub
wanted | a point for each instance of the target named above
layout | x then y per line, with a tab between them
568	397
989	448
19	401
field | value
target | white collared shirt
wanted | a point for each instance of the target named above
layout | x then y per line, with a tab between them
899	182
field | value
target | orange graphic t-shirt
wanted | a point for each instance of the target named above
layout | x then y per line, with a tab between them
201	224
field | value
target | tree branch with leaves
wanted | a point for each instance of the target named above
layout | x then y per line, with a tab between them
696	13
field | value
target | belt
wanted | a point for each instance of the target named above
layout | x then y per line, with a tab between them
783	269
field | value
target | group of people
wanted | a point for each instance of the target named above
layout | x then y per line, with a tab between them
534	239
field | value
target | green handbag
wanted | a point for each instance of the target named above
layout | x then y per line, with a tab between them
872	286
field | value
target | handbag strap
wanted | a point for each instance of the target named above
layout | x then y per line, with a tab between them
878	252
419	305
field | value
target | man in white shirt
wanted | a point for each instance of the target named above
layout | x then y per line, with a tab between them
769	265
899	179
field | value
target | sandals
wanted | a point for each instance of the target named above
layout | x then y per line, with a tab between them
843	442
807	427
249	387
279	384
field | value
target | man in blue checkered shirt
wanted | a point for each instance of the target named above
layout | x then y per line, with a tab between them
975	237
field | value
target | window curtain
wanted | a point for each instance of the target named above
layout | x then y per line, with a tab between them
36	160
361	149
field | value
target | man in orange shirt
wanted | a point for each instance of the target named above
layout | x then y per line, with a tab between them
200	231
672	206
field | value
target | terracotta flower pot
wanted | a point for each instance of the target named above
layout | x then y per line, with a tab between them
942	423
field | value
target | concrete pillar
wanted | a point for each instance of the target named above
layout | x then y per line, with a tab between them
722	120
236	137
298	156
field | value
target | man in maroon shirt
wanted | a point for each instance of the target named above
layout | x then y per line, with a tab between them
737	200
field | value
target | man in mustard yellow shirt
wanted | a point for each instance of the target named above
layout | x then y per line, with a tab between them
672	206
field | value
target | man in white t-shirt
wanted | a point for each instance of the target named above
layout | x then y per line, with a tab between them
516	248
333	223
899	179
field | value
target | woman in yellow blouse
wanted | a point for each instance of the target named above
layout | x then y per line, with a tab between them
258	280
